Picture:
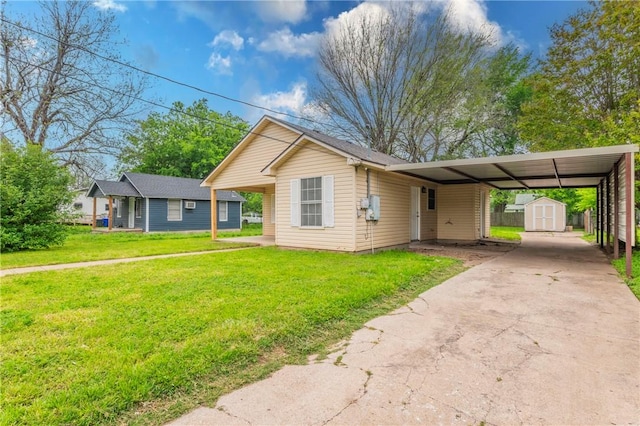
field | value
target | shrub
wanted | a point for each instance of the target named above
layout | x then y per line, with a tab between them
33	191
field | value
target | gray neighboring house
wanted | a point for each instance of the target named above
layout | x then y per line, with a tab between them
166	203
521	200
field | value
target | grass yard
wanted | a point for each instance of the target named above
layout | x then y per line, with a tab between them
510	233
248	230
634	281
83	246
144	343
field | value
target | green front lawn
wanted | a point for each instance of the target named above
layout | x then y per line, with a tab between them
634	281
83	246
248	230
510	233
143	343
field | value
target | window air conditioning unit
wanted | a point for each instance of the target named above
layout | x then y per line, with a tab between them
190	205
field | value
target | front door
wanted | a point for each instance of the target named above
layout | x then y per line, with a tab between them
132	212
415	213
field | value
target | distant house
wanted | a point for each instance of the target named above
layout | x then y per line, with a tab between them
521	200
82	207
165	203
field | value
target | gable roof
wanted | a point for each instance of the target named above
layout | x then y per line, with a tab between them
346	147
524	198
545	199
105	188
156	186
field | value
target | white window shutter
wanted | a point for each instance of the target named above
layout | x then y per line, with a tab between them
327	202
295	202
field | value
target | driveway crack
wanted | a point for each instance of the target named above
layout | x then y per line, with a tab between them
353	401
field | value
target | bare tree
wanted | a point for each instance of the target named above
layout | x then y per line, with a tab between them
398	82
56	93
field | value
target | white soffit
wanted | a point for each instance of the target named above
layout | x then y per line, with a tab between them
555	169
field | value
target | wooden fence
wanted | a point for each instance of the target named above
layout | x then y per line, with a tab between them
517	219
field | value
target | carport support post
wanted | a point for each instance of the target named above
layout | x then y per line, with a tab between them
629	209
601	214
607	182
616	212
214	215
93	217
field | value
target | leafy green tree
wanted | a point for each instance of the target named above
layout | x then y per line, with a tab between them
254	202
587	89
185	142
33	192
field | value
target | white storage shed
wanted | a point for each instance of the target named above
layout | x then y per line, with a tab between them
545	214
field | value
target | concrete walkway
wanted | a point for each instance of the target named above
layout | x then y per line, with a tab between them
545	334
258	240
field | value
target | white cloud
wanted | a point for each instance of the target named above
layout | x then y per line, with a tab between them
371	11
219	64
292	102
109	5
228	37
471	15
291	11
288	44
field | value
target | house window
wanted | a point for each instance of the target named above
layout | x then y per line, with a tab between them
312	202
138	207
431	200
174	210
77	206
118	207
106	207
223	211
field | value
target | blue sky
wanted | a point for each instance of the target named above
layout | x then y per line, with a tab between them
262	52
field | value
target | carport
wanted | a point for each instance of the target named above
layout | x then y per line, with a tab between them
608	169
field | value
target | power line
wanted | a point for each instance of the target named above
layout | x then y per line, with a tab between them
156	104
190	86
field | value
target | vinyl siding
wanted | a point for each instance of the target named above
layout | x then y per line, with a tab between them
622	201
315	162
192	219
394	226
268	228
458	212
245	170
233	216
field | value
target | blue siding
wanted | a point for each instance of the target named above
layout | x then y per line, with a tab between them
234	216
123	222
198	219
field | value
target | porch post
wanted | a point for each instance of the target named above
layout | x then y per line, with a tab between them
616	212
595	220
601	216
110	212
214	215
629	209
93	217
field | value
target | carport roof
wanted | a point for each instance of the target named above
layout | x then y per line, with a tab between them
555	169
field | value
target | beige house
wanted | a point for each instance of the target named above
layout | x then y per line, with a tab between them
325	193
545	214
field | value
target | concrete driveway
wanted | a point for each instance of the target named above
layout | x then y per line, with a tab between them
545	334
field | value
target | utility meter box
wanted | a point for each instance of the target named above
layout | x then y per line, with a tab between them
373	212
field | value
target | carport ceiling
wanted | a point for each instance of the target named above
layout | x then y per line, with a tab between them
577	168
